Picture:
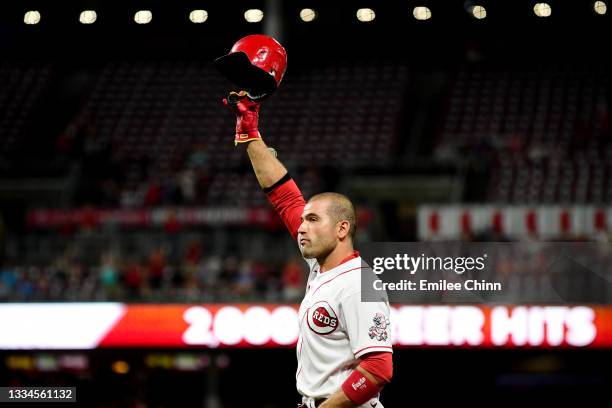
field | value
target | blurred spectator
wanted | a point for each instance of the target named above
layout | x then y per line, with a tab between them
25	287
153	194
203	181
191	291
194	252
157	264
229	271
244	283
170	190
131	198
293	280
261	277
208	273
109	275
172	225
187	183
133	278
198	159
8	279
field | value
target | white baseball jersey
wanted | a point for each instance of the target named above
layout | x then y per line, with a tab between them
336	328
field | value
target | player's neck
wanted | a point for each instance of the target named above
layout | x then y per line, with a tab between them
336	257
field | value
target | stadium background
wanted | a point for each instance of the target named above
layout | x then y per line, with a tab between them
119	181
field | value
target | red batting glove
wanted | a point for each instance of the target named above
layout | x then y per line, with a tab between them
247	116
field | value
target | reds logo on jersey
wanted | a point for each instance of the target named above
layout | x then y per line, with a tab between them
322	319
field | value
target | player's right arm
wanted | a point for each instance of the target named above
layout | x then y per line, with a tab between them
268	169
282	192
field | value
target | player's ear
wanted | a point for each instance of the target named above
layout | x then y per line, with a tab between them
343	228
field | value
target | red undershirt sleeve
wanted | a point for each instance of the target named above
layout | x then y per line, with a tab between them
288	202
379	364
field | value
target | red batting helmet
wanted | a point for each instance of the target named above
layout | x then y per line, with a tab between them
256	64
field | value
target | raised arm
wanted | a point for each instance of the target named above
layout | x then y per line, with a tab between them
282	192
268	169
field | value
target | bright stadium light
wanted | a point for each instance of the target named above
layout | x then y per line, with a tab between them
198	16
88	17
365	15
253	15
600	7
421	13
143	17
307	15
542	9
31	17
478	12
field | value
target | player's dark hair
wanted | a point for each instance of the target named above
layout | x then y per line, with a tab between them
340	209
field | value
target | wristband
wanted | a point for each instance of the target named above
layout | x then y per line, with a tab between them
246	137
359	389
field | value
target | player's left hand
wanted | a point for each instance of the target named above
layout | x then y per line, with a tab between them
247	116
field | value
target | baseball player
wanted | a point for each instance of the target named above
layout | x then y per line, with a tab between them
344	347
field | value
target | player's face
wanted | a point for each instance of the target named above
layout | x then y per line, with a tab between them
317	232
